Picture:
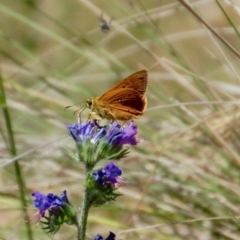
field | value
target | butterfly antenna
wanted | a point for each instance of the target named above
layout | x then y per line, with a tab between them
71	106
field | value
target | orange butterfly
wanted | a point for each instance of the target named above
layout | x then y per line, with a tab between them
125	101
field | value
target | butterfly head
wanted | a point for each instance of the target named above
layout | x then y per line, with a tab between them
89	103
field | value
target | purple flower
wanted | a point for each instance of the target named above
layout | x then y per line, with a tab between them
101	133
82	131
109	174
111	236
98	237
89	130
120	136
50	202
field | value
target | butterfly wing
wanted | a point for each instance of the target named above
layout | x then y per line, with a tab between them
137	81
125	100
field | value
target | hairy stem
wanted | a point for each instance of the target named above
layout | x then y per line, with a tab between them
84	213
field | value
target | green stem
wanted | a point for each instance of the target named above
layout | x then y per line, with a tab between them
84	213
13	153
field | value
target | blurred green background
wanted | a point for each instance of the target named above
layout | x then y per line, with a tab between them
184	178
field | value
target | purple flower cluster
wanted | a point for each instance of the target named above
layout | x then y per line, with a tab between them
50	202
109	174
116	135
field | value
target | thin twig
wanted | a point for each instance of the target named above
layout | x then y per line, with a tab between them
185	4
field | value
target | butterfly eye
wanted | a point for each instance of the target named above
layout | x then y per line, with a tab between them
89	103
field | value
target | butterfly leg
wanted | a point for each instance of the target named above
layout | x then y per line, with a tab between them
79	118
123	123
114	118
